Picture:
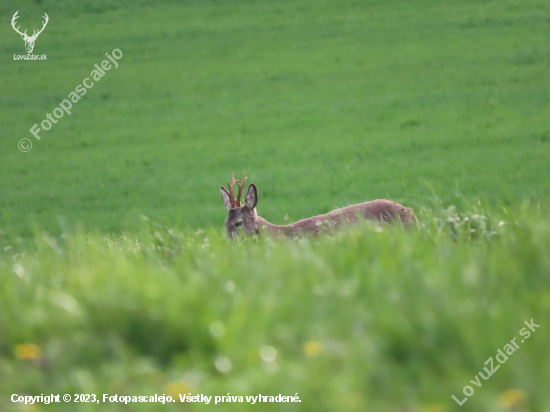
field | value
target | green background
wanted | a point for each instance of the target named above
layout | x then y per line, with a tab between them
322	103
115	277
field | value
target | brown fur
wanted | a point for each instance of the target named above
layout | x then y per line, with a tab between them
244	218
381	210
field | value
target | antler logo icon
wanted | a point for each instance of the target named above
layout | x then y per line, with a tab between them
29	40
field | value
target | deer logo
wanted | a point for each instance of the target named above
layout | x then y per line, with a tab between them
29	40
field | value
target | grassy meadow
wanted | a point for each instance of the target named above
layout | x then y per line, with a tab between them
115	276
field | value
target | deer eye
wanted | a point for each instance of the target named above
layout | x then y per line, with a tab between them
238	223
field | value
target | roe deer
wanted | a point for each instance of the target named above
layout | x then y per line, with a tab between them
245	218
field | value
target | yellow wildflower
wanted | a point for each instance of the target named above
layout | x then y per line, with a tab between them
174	389
512	397
27	351
312	348
435	407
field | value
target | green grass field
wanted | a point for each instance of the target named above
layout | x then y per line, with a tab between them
442	106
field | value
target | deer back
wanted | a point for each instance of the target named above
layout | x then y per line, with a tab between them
380	210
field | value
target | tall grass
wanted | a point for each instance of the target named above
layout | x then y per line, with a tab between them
372	318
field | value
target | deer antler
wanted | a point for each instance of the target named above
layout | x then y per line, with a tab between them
15	17
34	36
234	203
241	189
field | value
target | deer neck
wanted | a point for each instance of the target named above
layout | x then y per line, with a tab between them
275	230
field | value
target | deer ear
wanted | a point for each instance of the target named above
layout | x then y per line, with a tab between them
251	197
226	198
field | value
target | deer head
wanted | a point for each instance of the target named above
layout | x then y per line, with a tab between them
29	40
241	218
